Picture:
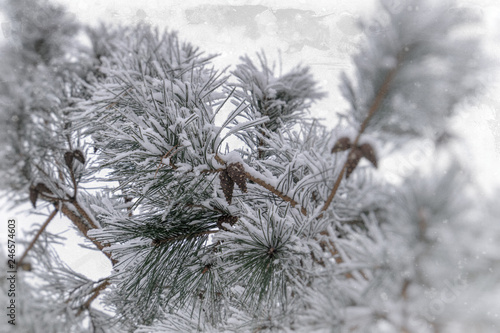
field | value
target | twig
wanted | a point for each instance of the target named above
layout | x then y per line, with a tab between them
96	291
77	220
33	241
373	108
261	144
84	214
267	186
51	198
129	207
273	190
80	224
73	180
211	171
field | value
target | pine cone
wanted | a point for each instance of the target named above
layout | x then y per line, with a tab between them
227	185
237	173
231	220
342	144
33	196
369	153
68	158
78	155
42	188
353	160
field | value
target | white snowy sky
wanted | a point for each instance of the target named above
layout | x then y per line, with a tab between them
319	33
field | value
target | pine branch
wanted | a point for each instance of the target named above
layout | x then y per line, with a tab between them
275	269
183	237
85	215
275	191
84	223
382	93
267	186
33	241
84	228
77	221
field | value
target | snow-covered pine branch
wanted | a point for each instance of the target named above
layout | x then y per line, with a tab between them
295	231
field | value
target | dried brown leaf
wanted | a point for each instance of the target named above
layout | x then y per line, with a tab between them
369	153
78	155
42	188
342	144
33	196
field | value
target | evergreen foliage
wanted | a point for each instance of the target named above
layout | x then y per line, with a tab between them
296	231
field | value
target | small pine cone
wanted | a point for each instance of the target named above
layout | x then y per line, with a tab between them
237	173
353	160
33	196
68	158
78	155
227	185
231	220
369	153
42	188
342	144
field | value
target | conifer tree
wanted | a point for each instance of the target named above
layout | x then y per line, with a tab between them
294	231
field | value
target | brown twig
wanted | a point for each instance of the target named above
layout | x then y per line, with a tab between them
96	291
84	214
73	180
129	207
273	190
267	186
33	241
260	149
77	220
212	171
84	228
381	94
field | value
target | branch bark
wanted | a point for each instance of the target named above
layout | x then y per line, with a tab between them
381	94
96	292
33	241
79	222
